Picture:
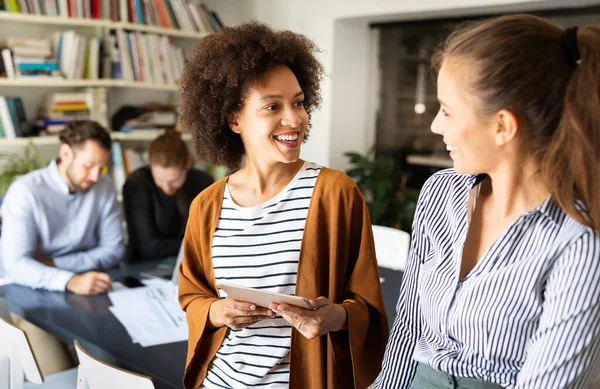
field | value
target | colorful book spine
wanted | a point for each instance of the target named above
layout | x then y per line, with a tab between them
37	66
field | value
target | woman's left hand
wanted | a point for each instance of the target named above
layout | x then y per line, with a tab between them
325	317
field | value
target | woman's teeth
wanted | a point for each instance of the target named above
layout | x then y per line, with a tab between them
287	137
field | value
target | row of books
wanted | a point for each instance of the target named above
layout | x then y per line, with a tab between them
150	58
131	56
188	15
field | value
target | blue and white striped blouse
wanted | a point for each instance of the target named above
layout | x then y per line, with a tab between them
526	316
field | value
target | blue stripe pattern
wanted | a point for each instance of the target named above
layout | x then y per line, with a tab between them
259	247
526	316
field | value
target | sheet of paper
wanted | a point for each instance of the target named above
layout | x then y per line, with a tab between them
116	285
151	315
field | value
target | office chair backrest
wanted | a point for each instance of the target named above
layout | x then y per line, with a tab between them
17	361
95	374
391	247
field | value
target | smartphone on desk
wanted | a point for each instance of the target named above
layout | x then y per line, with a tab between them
131	282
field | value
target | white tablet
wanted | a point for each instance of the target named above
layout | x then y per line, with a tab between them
263	298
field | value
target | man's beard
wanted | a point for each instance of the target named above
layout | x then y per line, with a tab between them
72	184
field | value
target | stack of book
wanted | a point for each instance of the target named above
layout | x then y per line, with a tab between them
28	57
60	108
188	15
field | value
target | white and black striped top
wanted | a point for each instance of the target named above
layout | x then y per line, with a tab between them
259	247
528	314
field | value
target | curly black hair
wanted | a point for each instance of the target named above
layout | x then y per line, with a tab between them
222	68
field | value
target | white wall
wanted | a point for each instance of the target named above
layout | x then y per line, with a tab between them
346	120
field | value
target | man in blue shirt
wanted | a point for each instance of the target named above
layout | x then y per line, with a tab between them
61	224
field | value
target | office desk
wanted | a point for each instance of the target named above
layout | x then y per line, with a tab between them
87	319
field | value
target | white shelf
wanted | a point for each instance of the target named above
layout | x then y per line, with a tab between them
53	20
80	22
50	83
38	140
103	83
142	85
115	136
428	160
143	135
158	30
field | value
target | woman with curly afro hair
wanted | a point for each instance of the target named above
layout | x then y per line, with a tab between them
279	224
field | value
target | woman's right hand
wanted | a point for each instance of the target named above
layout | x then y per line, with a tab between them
236	314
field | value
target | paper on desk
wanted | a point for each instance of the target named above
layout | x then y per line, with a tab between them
151	315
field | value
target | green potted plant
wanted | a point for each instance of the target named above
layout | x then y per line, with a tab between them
14	165
383	183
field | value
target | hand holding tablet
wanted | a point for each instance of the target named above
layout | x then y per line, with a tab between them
312	320
263	298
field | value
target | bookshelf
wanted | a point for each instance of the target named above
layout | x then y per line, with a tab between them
156	54
149	57
95	23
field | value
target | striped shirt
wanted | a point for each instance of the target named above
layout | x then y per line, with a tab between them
259	247
526	316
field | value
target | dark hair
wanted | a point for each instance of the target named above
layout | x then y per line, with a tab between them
169	150
221	69
76	133
517	63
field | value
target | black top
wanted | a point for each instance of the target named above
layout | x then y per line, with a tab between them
154	223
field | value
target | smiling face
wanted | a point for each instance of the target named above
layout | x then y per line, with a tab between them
273	121
469	138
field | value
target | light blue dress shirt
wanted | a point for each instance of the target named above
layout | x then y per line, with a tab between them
80	231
